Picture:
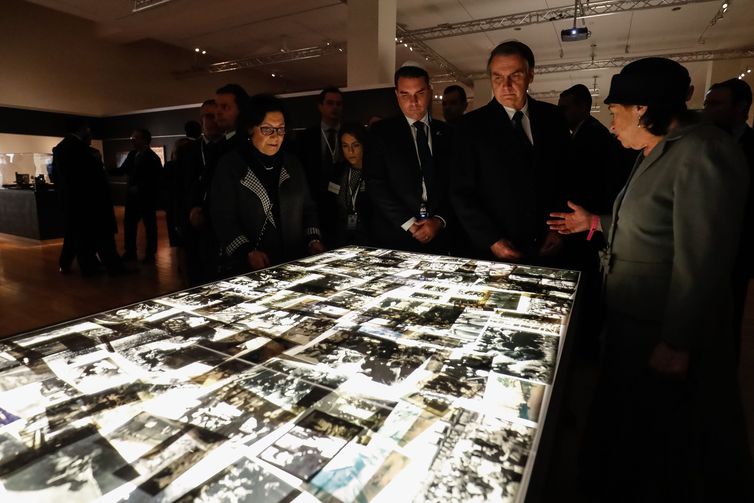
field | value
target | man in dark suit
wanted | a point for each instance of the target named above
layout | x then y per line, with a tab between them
509	162
727	104
407	167
89	218
319	151
218	118
143	168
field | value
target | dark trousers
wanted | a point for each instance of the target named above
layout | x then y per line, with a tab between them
140	208
76	246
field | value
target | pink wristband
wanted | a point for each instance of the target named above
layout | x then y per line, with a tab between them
593	228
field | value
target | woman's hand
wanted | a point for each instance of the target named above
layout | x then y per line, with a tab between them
579	220
669	361
258	260
316	247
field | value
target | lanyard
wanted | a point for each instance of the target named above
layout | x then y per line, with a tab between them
330	148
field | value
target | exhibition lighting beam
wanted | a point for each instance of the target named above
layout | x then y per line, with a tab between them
142	5
274	58
585	10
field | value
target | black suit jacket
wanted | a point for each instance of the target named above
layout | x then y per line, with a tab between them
503	188
747	237
392	168
144	174
600	167
319	174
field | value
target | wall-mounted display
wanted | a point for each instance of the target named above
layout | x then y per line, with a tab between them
355	375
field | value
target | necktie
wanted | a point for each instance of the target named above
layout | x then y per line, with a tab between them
518	126
426	163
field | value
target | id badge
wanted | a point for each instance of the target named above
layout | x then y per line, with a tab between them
352	221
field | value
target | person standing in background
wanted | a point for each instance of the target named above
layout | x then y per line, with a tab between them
144	171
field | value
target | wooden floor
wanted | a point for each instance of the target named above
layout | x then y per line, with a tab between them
34	294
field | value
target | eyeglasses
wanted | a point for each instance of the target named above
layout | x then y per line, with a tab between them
268	130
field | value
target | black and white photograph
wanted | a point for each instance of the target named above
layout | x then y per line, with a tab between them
488	454
512	398
521	354
310	444
238	413
80	471
243	481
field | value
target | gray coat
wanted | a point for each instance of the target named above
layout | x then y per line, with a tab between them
673	236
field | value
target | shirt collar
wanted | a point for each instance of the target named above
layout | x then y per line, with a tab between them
512	111
325	127
424	119
230	134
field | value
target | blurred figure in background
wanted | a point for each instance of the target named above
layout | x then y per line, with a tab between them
454	104
144	171
727	104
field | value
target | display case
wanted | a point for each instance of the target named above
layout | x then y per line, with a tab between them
355	375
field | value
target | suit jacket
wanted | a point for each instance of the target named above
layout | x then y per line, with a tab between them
393	173
319	174
241	205
745	260
144	174
504	188
674	234
82	183
600	167
363	208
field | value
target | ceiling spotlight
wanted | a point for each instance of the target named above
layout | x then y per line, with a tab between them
340	49
197	49
748	71
405	45
204	52
725	7
411	49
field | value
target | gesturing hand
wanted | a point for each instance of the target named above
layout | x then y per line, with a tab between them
426	230
579	220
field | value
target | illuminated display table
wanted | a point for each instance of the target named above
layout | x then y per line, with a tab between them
355	375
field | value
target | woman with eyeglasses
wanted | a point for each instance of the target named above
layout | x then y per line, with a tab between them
352	200
261	209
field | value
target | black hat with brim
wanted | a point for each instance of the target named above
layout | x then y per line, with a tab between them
650	81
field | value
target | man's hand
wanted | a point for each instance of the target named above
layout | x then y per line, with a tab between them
258	260
426	230
552	244
579	220
504	250
196	217
316	246
669	362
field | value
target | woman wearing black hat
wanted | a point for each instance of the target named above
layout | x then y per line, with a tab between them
667	419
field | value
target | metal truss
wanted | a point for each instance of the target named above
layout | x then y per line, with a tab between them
431	55
283	56
584	10
142	5
620	62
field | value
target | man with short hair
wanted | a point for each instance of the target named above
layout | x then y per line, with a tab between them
454	103
318	149
727	104
407	170
508	169
143	168
197	162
